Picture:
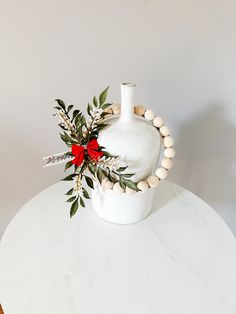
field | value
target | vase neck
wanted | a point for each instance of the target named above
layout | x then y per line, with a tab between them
127	104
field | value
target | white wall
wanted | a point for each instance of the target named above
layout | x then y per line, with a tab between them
180	53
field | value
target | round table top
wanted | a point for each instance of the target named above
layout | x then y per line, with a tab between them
181	259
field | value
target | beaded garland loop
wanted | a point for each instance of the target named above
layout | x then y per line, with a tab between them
91	162
166	163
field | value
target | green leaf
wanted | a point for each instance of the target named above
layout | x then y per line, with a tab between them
111	178
71	199
122	184
61	125
85	193
89	109
95	101
70	192
83	168
82	202
101	126
63	137
99	175
104	172
89	182
61	104
104	114
78	120
91	168
103	96
130	184
69	177
68	165
83	120
79	130
107	154
74	208
67	139
127	175
57	107
122	169
69	108
104	106
75	113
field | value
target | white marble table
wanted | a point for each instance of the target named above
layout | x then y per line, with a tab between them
179	260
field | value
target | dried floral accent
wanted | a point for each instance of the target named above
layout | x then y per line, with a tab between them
111	163
94	119
78	185
57	159
66	122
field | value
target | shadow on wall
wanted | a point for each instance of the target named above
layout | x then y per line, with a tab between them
205	161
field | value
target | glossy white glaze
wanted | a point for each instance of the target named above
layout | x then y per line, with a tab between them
137	143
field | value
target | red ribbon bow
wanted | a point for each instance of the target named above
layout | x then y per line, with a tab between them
91	148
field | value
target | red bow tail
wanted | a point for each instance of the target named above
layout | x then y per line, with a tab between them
78	152
92	149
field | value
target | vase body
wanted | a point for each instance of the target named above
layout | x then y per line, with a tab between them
137	143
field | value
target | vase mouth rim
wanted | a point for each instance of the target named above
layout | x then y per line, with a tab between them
128	84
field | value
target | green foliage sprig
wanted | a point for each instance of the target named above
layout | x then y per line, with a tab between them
76	129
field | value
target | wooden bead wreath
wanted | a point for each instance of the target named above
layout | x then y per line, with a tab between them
91	161
166	162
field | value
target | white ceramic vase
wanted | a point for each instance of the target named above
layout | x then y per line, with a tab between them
137	143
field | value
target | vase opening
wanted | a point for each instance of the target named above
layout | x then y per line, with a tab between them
128	84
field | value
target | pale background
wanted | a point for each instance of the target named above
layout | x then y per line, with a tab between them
181	54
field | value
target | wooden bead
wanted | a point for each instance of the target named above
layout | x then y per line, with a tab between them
149	115
142	186
116	108
158	122
169	152
161	173
139	110
153	181
168	141
167	163
117	188
129	191
164	130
